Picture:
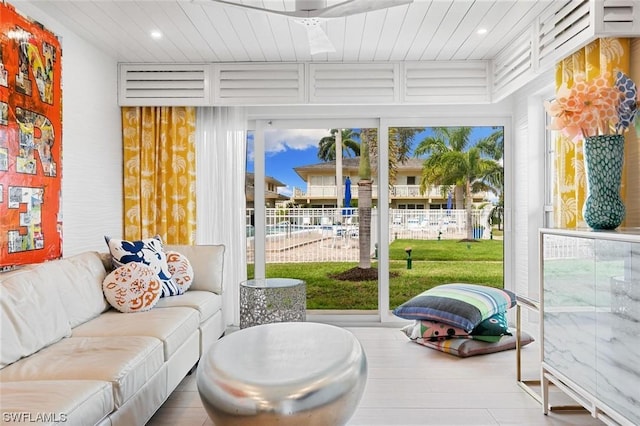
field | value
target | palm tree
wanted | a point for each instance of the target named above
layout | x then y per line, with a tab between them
451	161
493	145
327	145
400	141
327	152
367	137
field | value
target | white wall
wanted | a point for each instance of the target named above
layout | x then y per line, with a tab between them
432	112
91	141
528	183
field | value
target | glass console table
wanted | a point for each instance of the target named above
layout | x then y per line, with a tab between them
590	317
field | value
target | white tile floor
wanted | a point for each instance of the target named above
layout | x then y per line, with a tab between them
409	384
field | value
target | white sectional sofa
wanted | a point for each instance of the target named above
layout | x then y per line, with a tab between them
67	357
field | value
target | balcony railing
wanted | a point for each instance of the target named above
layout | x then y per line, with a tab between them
396	192
413	191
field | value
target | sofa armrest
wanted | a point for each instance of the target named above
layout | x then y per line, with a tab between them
207	262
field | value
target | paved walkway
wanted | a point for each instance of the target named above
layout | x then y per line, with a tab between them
308	248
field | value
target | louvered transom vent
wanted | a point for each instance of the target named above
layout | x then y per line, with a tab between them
446	82
164	84
353	83
513	67
621	16
561	29
259	84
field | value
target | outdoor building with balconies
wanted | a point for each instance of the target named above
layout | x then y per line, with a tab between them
322	191
271	194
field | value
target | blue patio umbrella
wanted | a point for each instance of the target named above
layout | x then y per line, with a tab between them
347	192
347	196
449	201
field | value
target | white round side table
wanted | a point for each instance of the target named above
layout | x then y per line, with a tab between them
269	300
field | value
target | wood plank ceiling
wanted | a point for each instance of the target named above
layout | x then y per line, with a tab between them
203	31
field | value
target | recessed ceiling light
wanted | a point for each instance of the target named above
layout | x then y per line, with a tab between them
156	34
482	31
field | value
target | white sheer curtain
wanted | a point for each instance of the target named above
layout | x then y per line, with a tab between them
221	146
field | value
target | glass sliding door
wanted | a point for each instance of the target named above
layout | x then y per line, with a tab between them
363	245
310	210
446	189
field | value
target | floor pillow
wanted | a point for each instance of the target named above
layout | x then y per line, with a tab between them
489	330
459	305
464	347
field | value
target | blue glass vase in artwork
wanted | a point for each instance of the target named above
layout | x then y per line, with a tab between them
603	156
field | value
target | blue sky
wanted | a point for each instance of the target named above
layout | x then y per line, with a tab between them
286	149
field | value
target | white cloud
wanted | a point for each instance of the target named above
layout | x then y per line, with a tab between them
278	140
491	197
287	191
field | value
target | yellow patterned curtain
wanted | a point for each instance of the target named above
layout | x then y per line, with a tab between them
602	55
632	151
159	173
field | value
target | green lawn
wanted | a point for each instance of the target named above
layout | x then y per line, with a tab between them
433	263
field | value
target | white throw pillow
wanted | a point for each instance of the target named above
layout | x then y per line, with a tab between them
134	287
147	251
180	270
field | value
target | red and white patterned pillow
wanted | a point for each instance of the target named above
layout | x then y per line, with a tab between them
180	270
133	287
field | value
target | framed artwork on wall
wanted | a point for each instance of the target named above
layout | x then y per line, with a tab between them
30	141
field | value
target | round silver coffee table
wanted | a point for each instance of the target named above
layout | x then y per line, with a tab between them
286	374
264	301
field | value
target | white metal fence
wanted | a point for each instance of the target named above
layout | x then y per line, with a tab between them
330	234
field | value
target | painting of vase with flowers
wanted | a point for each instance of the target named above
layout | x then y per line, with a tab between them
598	113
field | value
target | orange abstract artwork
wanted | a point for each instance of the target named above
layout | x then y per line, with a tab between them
30	141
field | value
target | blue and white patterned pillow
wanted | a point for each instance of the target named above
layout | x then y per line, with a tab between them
148	251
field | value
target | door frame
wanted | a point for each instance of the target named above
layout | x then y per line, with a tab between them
382	123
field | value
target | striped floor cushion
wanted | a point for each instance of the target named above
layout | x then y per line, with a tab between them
465	347
459	305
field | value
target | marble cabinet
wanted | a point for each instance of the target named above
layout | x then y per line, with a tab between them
590	308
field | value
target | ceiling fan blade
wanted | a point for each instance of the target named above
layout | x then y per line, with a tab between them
318	40
344	8
353	7
295	14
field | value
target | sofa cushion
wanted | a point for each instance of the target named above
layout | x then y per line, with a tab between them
205	302
148	251
32	315
69	402
172	326
207	262
128	362
80	287
107	261
134	287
